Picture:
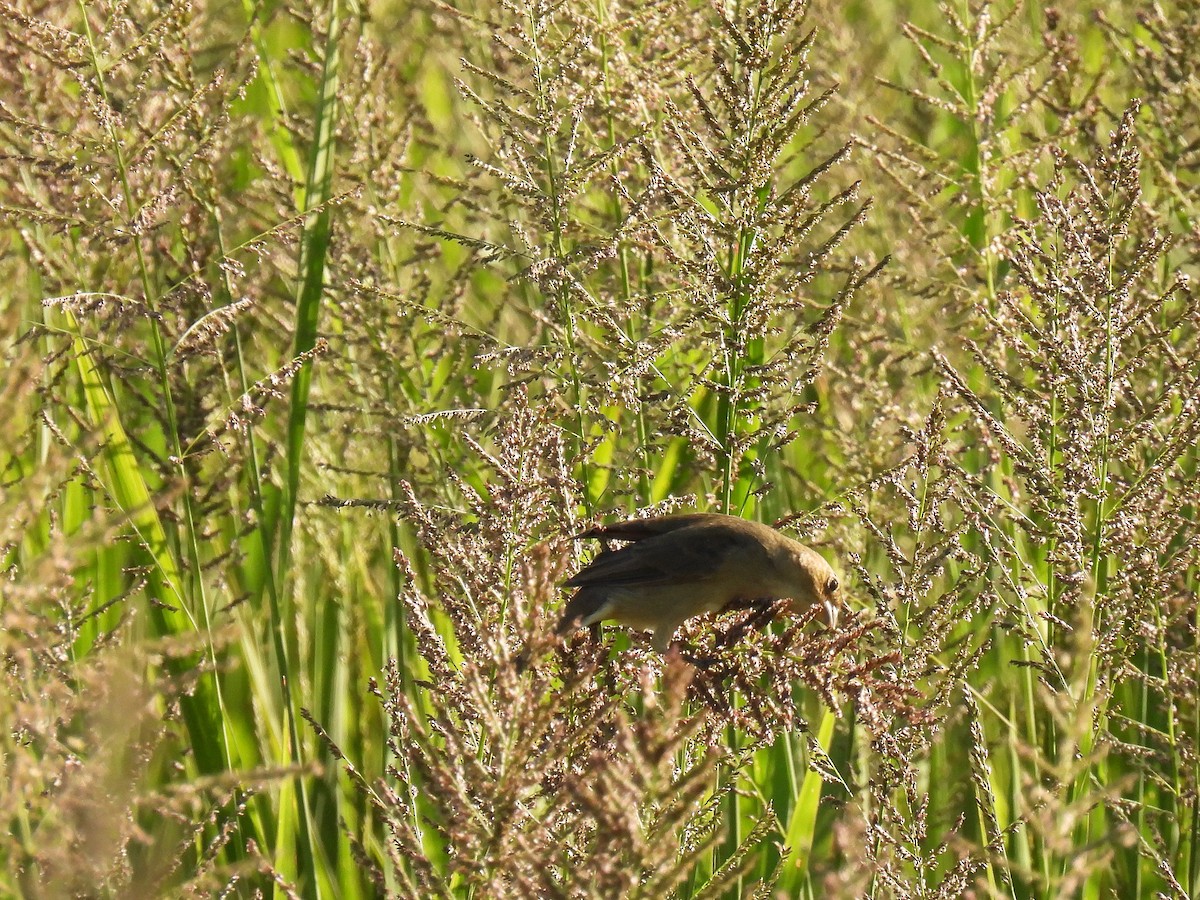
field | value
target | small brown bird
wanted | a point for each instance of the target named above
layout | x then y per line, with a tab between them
676	567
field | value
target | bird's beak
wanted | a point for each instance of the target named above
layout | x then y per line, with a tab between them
831	613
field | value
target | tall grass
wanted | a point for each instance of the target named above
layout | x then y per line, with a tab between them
328	328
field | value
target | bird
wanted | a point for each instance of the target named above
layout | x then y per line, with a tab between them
678	566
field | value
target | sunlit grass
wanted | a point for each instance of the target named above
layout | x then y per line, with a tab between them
329	327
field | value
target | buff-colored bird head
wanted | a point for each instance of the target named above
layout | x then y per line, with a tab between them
807	580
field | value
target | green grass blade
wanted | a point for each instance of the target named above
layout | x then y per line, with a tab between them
169	615
802	824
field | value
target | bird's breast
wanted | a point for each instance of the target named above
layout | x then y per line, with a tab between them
651	606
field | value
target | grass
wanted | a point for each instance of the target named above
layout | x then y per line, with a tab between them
328	327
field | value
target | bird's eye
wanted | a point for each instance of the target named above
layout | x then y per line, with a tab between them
831	586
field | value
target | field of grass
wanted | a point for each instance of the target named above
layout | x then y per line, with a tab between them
325	327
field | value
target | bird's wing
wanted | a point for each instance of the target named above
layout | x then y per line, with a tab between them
696	552
640	529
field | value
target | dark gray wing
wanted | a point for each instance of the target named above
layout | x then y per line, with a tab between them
640	529
692	552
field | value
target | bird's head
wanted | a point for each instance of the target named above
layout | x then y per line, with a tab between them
811	582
